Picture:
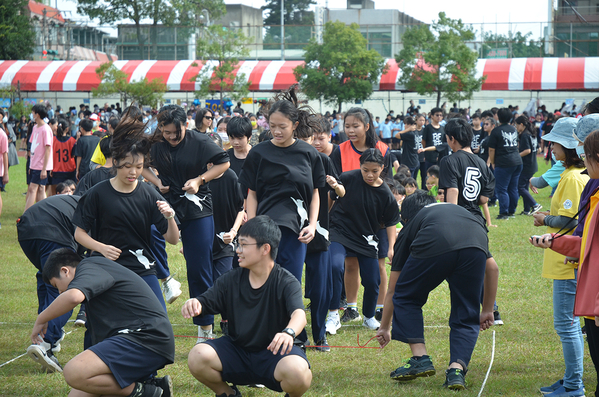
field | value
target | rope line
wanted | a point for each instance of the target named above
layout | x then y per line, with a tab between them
490	365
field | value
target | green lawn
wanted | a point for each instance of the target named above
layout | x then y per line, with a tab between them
527	354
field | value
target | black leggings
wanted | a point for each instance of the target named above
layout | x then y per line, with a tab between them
593	341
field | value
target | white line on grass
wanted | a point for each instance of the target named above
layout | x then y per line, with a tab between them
16	358
490	365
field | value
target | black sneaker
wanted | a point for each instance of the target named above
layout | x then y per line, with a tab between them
323	346
80	319
537	207
235	389
224	327
378	315
165	383
350	314
413	369
455	379
343	304
527	213
146	390
503	216
511	215
497	317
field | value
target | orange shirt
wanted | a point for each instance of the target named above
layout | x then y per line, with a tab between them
63	155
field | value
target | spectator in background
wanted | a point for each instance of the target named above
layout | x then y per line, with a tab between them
41	156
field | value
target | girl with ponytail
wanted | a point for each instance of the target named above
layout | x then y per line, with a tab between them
64	166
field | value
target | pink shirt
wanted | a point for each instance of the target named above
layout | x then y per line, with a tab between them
3	149
40	138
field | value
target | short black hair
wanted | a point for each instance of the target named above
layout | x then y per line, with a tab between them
400	177
57	259
86	124
105	147
487	113
239	127
63	185
436	110
398	188
433	170
412	205
40	109
323	126
265	231
504	115
410	181
476	116
460	130
372	155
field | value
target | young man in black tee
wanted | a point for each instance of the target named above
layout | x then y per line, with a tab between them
263	303
433	139
130	331
427	252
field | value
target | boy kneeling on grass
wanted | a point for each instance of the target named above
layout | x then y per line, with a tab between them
131	335
427	251
263	303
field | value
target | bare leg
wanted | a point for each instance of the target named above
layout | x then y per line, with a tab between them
41	193
294	374
383	284
205	365
352	279
31	195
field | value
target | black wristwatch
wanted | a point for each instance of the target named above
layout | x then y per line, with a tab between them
289	331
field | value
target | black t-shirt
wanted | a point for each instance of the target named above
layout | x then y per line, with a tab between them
483	153
255	315
434	231
470	175
85	149
236	164
434	137
188	160
504	139
547	127
418	137
321	241
123	220
226	193
50	220
284	180
529	162
477	137
92	178
361	213
409	155
119	303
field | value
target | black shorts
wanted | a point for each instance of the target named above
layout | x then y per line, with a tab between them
128	361
386	140
35	178
242	367
59	177
383	243
396	140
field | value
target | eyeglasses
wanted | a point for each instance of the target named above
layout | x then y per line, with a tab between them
209	117
239	247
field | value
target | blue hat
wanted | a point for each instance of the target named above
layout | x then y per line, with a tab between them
586	125
563	133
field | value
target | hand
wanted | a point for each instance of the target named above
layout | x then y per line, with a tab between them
228	237
51	173
192	186
486	320
532	188
282	342
544	241
383	336
539	219
332	182
165	209
245	217
163	189
390	253
38	332
191	308
110	252
412	127
491	225
307	234
5	178
420	150
43	174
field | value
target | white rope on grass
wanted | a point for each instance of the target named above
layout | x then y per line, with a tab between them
490	365
16	358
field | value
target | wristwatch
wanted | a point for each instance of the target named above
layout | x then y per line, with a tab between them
289	331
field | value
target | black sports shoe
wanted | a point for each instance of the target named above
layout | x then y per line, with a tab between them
497	318
235	389
503	216
350	314
146	390
80	319
413	369
323	346
343	304
455	379
165	383
378	315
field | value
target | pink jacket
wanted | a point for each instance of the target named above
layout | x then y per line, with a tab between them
587	288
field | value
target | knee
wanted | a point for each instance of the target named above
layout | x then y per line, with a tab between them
73	375
294	374
200	358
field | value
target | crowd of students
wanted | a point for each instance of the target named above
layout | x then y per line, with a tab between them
255	198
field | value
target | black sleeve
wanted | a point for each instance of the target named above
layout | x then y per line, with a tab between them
91	280
525	142
217	155
158	219
447	176
249	176
213	300
293	294
391	213
494	138
489	187
330	170
86	212
401	251
318	175
336	159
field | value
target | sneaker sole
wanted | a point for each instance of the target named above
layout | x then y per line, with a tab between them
498	322
359	318
39	356
425	374
457	386
79	323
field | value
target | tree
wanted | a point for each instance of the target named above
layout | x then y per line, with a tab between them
16	30
114	81
298	22
449	65
226	47
340	69
517	44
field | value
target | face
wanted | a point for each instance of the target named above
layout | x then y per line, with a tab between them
592	166
238	143
355	129
419	122
520	128
207	120
282	129
54	127
169	133
130	169
68	190
559	151
476	122
248	251
431	181
371	172
437	117
487	126
308	140
321	142
441	195
66	276
222	128
539	118
410	189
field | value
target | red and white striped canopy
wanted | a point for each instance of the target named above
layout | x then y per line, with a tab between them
534	74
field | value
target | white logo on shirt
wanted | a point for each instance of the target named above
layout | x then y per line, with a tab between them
371	241
141	258
35	143
195	199
437	139
323	232
510	138
128	331
568	204
301	211
471	183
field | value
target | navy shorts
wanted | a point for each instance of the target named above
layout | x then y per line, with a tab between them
128	361
35	178
386	140
396	140
383	243
59	177
242	367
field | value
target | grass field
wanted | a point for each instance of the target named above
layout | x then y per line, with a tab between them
527	353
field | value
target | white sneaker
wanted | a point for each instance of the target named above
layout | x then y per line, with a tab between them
371	323
332	324
44	357
204	335
171	289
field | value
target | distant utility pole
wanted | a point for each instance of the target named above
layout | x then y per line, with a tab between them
44	31
282	30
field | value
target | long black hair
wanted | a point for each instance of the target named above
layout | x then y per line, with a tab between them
288	104
365	118
129	138
527	126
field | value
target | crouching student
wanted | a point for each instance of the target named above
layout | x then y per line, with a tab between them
427	252
126	349
263	303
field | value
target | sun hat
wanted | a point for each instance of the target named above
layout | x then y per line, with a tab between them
585	126
562	133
